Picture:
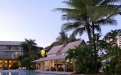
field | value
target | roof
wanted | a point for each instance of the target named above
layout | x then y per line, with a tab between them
55	49
10	42
50	58
71	45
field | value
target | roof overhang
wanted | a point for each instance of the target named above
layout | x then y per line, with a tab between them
59	57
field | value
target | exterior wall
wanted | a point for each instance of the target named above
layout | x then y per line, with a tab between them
10	52
9	55
119	41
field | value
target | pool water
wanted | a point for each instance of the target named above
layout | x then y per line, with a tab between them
27	73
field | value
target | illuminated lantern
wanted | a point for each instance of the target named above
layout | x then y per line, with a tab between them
42	52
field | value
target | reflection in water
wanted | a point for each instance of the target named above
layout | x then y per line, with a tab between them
9	73
20	73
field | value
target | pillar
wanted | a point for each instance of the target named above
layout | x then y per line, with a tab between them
42	66
53	63
39	65
56	61
36	65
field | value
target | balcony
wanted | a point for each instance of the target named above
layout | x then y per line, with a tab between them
12	50
9	56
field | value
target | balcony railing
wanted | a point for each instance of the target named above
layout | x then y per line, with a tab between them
9	56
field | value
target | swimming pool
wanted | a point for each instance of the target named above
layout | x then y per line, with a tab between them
26	73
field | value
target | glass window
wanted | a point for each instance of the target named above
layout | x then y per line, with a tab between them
7	48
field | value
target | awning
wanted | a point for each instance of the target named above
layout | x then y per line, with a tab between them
59	57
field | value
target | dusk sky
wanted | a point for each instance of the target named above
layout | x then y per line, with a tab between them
34	19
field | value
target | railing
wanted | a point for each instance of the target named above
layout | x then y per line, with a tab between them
11	56
12	50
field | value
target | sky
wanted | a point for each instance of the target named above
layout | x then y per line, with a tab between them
34	19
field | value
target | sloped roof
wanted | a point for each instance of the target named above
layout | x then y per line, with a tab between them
71	45
50	58
55	49
10	42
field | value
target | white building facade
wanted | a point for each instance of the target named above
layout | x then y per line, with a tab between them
119	40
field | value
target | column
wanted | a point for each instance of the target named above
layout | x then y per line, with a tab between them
42	66
39	65
53	63
36	65
56	61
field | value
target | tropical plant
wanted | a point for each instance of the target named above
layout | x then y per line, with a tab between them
63	38
14	66
113	53
72	38
26	61
29	46
80	56
111	36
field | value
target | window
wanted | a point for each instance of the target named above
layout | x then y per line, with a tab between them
7	48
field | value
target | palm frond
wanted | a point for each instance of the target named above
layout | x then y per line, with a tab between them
106	22
70	26
98	28
79	31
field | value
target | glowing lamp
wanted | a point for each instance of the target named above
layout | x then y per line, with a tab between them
42	52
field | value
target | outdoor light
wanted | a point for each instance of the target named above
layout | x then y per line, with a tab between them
42	52
9	61
67	60
5	61
9	65
16	53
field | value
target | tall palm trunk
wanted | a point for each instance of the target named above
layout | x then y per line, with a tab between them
89	37
94	46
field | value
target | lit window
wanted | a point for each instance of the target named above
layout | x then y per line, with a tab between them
9	61
5	61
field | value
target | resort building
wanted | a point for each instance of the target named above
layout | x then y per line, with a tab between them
9	52
119	40
55	59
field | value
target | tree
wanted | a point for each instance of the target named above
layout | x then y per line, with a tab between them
80	56
111	36
72	38
29	46
26	61
63	38
114	64
88	15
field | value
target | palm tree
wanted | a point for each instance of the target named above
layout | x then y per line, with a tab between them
63	38
111	36
72	38
88	15
80	56
29	45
